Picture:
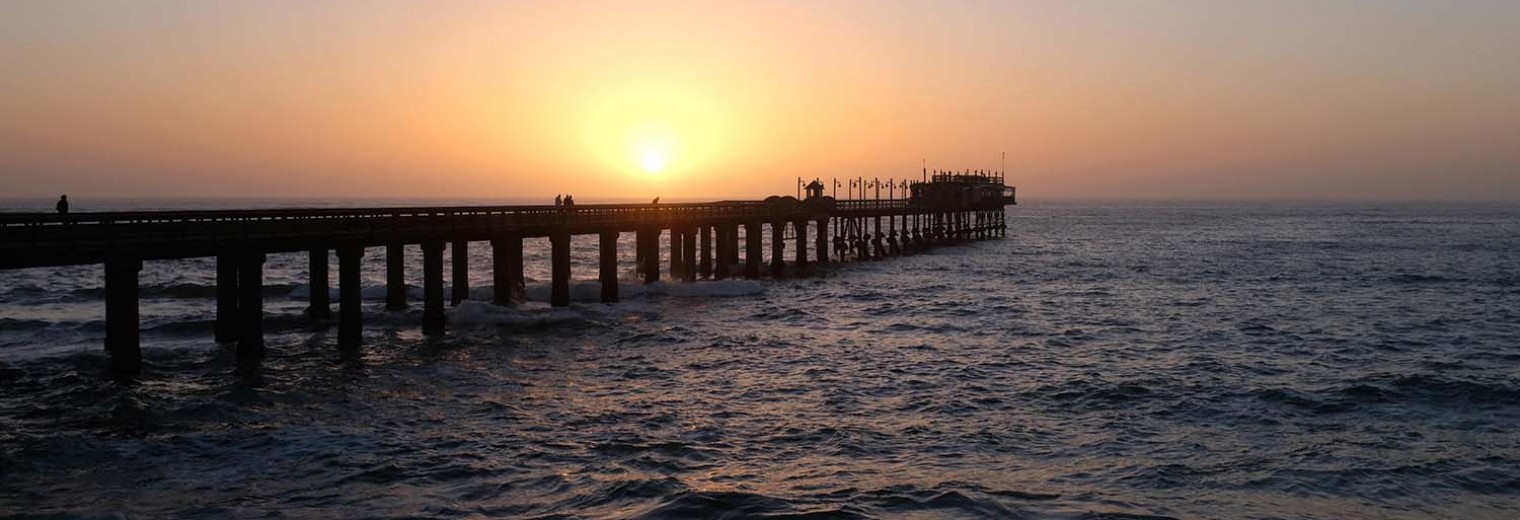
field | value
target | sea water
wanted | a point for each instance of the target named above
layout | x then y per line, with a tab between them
1105	360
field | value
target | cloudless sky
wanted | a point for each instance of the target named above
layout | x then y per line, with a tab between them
701	99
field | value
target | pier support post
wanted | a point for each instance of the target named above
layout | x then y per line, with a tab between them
778	249
350	315
395	276
226	297
319	308
609	264
559	253
507	269
752	250
647	243
460	291
122	328
250	348
821	243
432	288
704	246
720	270
733	244
801	229
675	253
689	254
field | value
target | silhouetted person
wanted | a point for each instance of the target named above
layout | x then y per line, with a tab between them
63	204
569	201
558	200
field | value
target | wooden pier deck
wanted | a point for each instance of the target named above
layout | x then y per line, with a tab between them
705	241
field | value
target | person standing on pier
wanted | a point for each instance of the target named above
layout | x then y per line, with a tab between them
569	201
558	200
63	204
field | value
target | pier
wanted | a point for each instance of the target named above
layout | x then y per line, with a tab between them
714	240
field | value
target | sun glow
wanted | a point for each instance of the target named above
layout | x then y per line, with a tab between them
652	162
651	136
653	145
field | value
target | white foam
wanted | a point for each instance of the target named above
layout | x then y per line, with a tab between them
472	314
718	288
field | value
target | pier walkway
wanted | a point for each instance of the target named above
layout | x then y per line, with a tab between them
707	240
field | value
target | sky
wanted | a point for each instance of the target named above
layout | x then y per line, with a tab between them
1322	99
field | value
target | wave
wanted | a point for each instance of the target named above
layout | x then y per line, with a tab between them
23	324
1393	390
472	314
183	290
1412	279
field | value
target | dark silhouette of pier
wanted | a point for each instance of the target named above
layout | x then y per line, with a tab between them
715	240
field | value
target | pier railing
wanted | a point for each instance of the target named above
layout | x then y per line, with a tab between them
36	239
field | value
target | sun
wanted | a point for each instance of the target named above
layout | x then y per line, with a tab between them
652	161
653	146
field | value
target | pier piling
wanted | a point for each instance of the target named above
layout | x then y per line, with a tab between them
432	288
350	315
752	250
705	267
720	269
800	227
507	269
675	253
250	347
318	307
395	276
778	249
559	257
689	254
648	244
123	339
226	297
609	264
460	264
821	244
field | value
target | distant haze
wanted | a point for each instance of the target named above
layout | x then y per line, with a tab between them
1090	99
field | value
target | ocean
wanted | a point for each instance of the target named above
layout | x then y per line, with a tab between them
1104	360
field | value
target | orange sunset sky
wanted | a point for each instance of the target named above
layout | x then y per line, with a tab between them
717	99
